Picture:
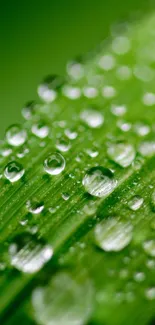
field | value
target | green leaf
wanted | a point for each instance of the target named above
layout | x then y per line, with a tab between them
77	192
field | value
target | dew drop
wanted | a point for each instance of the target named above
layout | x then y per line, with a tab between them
71	134
65	196
118	110
54	164
123	72
107	62
150	293
142	129
14	171
122	153
66	300
28	254
135	203
28	110
48	89
149	99
153	201
149	247
71	92
16	136
147	148
92	118
90	92
34	207
121	45
40	129
99	181
63	144
113	234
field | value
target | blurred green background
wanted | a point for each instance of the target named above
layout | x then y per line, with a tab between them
39	37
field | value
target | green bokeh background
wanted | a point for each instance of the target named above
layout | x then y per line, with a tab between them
39	37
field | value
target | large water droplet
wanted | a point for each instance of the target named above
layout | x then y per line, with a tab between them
29	110
65	301
99	181
54	164
49	88
14	171
122	153
92	118
16	136
147	148
113	234
28	254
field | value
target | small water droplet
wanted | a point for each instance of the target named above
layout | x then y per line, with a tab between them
14	171
149	247
16	135
99	181
107	62
118	110
135	203
108	92
113	234
48	89
34	207
92	118
121	45
40	129
147	148
139	276
122	153
71	92
28	110
65	196
71	134
92	153
90	92
63	144
150	293
123	72
54	164
149	99
28	254
142	129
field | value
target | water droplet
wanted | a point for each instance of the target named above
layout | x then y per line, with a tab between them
34	207
149	247
75	70
107	62
49	88
65	196
122	153
121	45
147	148
92	153
118	110
124	126
40	129
14	171
139	276
113	234
99	181
135	203
66	300
150	293
28	254
92	118
108	92
63	144
90	92
16	136
142	129
71	134
29	110
123	72
71	92
149	99
144	73
54	164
